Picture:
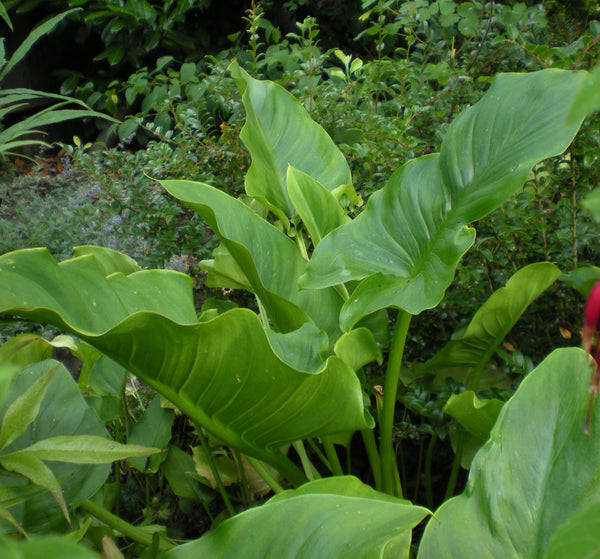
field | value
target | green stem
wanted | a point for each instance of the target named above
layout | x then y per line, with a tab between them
309	469
243	478
128	530
265	474
368	438
460	444
389	466
319	453
428	459
215	472
333	457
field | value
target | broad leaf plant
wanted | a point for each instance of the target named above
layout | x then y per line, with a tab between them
330	282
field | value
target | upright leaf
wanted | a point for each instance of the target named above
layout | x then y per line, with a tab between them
278	132
406	244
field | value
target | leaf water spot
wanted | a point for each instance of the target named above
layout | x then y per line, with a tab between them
93	302
238	379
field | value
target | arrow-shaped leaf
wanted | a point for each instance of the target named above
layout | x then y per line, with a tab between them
406	244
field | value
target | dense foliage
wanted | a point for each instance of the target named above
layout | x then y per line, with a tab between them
308	251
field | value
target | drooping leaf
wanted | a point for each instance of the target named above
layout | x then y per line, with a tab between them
33	37
24	409
63	411
406	244
493	321
32	468
537	471
223	373
328	518
278	132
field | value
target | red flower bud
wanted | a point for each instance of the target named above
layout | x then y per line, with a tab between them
591	344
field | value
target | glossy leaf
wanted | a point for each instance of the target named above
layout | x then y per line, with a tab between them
264	259
223	373
493	321
536	471
328	518
278	132
406	244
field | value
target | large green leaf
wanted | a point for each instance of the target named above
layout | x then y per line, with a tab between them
223	372
268	260
537	470
329	518
278	132
406	244
492	322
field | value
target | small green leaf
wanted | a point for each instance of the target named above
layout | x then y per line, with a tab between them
24	409
153	428
475	415
33	468
317	207
82	449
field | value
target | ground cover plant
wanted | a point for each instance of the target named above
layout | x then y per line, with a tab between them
299	367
